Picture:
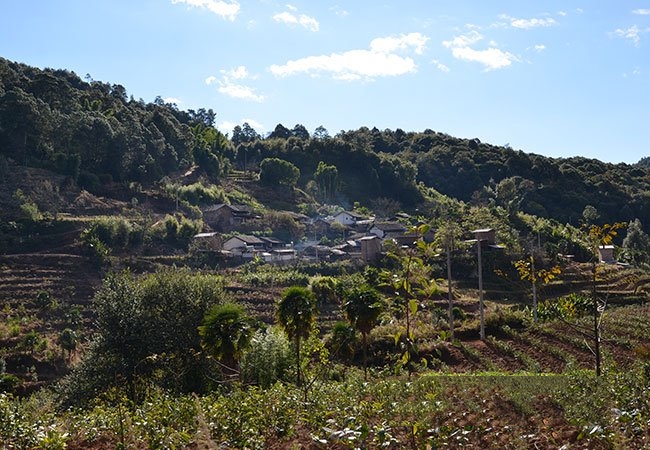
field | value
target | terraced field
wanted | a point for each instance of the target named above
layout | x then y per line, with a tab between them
69	281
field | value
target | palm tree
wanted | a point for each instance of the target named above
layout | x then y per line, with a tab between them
296	314
226	332
363	307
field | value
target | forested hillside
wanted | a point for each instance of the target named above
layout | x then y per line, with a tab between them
93	133
160	280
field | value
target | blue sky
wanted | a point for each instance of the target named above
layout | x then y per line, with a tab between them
557	78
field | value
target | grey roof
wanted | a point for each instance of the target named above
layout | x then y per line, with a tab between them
389	226
251	240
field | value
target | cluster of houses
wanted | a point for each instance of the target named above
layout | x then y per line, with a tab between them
362	237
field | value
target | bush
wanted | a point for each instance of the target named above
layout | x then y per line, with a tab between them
114	232
147	331
179	231
197	193
325	289
268	358
275	171
8	382
502	317
569	307
94	248
269	275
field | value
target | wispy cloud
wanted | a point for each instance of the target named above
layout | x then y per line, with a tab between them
492	58
632	34
380	60
291	17
230	84
441	67
526	24
172	100
226	9
539	47
642	12
404	42
340	11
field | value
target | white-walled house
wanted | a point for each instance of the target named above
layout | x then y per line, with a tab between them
385	230
243	243
348	218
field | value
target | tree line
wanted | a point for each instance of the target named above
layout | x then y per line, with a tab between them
95	133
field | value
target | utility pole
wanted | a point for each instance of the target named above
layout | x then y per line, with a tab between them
480	290
449	292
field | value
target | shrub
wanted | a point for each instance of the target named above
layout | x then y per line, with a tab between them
8	382
114	232
197	193
569	307
43	299
268	358
147	330
325	289
343	341
502	317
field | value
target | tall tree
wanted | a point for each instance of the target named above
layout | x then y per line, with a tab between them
636	244
226	332
448	236
300	132
296	314
363	307
529	272
597	237
327	179
321	133
275	171
280	132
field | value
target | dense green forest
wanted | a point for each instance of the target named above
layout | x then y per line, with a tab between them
92	132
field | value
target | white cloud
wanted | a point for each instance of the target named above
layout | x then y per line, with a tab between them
562	13
527	24
226	9
403	42
340	12
239	73
240	91
441	67
464	40
492	58
633	34
289	18
641	12
539	47
235	89
228	125
172	100
380	60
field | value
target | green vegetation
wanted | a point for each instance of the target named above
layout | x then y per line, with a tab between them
113	334
432	411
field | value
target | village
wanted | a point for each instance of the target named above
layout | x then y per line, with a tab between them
359	237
